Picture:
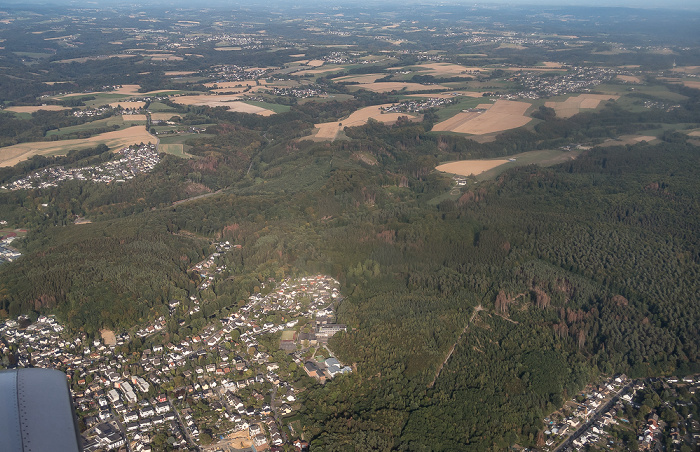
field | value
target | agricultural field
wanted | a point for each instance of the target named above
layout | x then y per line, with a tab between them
328	131
489	118
574	104
32	109
11	155
387	87
470	167
232	102
113	121
488	169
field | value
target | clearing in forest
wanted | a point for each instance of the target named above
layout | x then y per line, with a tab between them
574	104
330	130
108	337
11	155
487	118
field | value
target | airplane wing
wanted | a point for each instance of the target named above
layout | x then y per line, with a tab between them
36	413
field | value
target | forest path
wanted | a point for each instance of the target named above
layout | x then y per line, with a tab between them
477	309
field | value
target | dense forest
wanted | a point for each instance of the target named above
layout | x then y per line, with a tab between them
540	279
473	310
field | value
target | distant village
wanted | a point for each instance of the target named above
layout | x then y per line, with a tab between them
133	160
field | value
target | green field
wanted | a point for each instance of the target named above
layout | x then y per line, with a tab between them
160	107
178	150
287	335
107	122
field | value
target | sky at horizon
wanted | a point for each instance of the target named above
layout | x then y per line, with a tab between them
645	4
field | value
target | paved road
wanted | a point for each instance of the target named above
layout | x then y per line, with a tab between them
569	441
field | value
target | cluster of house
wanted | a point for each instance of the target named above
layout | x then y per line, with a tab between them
91	112
109	386
241	40
419	105
299	92
7	252
208	268
585	408
576	79
231	72
594	414
133	160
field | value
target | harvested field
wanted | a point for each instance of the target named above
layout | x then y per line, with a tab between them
232	102
128	105
330	130
32	109
385	87
691	84
502	115
132	118
574	104
470	167
125	90
11	155
315	63
629	78
695	133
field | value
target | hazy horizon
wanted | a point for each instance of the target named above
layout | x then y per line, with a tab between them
642	4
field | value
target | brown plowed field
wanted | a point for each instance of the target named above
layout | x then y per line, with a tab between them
503	115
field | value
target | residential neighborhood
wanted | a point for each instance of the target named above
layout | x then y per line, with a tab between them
131	390
133	160
624	414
